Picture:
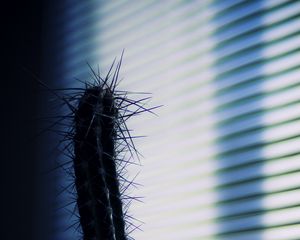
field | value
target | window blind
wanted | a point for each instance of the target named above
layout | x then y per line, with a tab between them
222	158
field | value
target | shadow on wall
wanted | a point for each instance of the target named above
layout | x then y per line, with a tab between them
21	49
239	115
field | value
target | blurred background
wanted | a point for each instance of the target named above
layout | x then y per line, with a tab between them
221	160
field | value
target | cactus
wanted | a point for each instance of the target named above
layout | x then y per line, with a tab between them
99	199
99	145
